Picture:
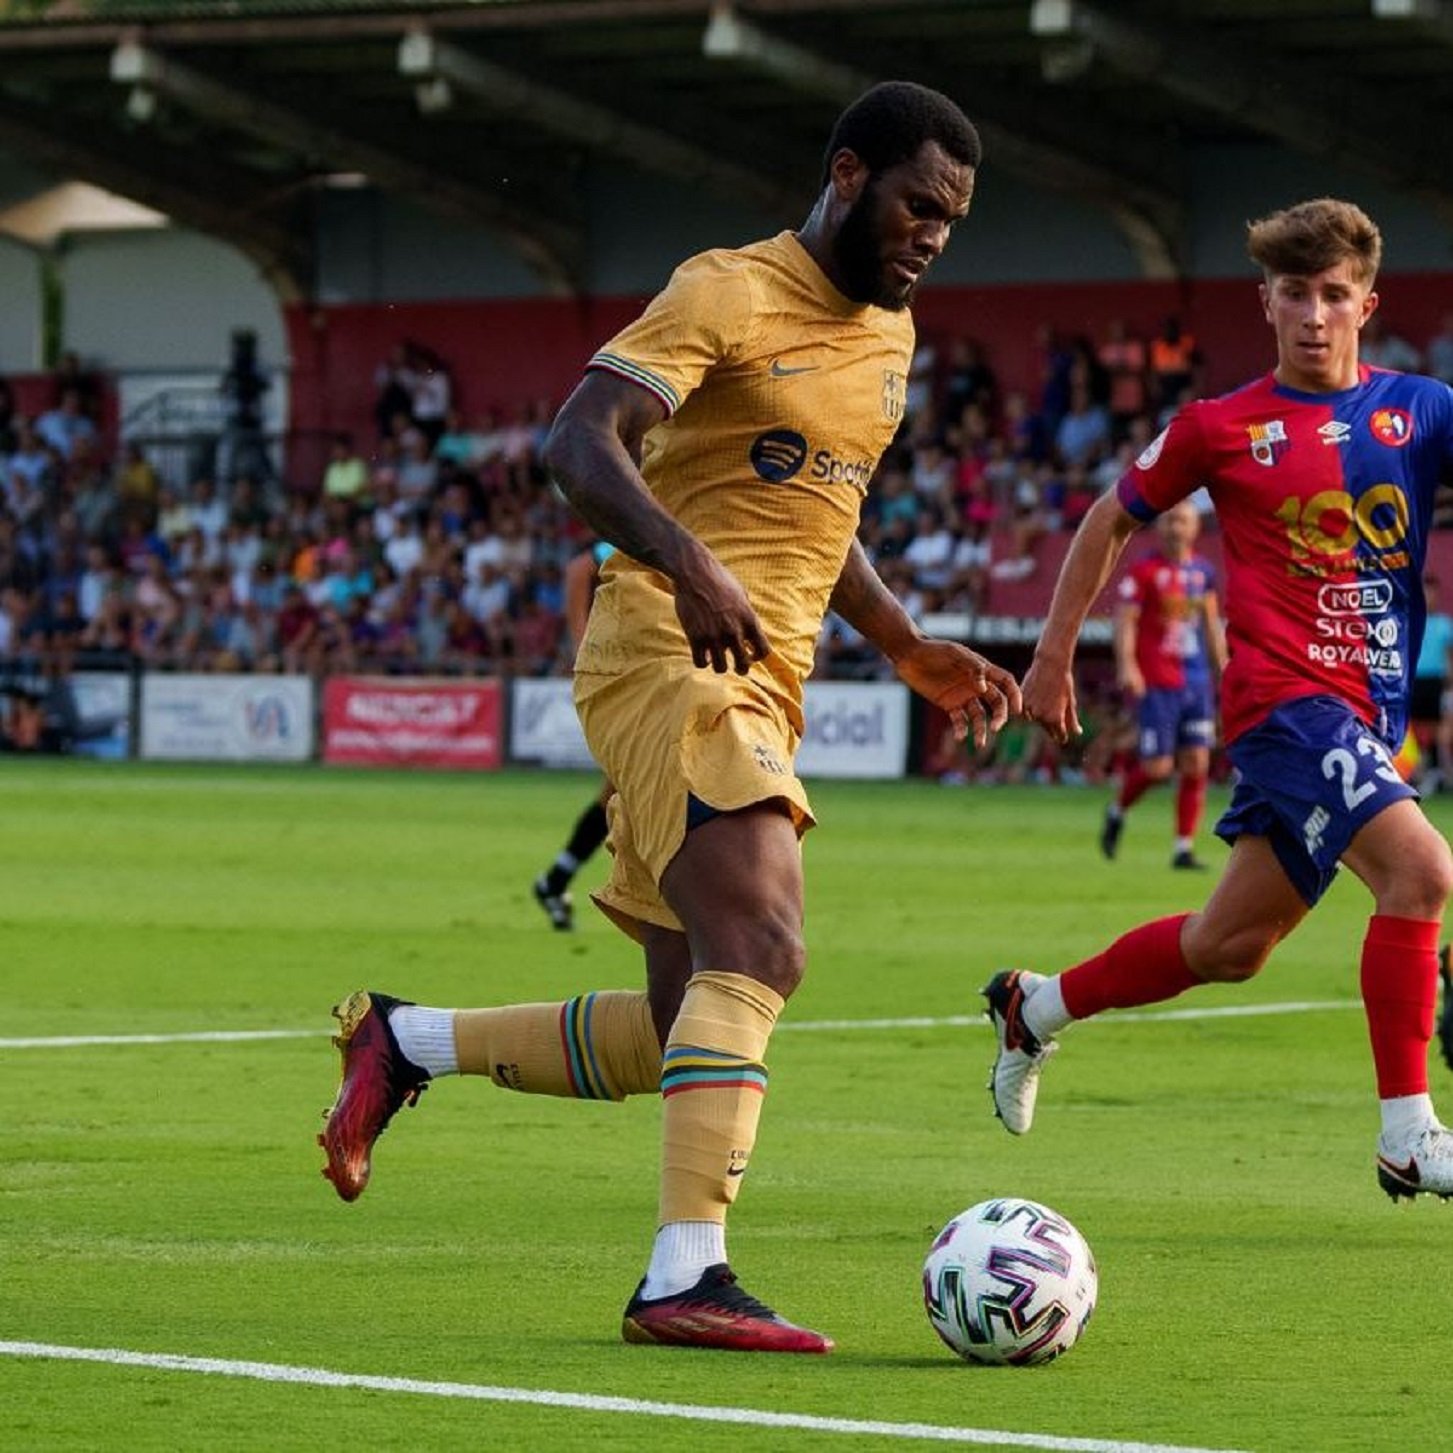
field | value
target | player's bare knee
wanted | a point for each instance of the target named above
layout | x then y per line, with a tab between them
781	956
1422	887
1235	958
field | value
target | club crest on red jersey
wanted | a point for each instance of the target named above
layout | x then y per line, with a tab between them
1393	427
1268	441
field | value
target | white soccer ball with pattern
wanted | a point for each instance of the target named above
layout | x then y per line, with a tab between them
1010	1281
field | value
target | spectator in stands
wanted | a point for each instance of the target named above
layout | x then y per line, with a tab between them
88	488
1056	361
297	626
346	476
1028	525
456	444
1084	432
1379	347
970	380
921	388
1124	359
109	630
935	472
418	472
930	552
971	564
393	382
138	486
1026	432
1173	362
70	375
99	579
207	512
405	550
432	394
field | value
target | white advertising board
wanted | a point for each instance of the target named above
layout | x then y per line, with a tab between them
227	718
103	713
543	725
854	728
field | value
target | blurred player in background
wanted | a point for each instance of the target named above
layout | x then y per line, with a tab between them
552	887
1168	641
723	442
1323	474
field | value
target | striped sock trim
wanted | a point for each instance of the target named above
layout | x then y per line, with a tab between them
625	368
684	1067
581	1067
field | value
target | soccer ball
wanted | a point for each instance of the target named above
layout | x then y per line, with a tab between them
1010	1281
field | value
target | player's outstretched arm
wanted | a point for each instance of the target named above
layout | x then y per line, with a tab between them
978	695
593	452
1049	684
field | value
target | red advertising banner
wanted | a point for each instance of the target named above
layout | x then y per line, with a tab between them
385	721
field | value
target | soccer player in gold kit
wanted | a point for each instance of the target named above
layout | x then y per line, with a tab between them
723	443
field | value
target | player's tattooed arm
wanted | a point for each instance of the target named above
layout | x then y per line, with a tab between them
594	454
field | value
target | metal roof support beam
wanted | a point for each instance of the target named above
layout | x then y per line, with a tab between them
552	250
221	204
1366	128
1433	18
425	58
1149	221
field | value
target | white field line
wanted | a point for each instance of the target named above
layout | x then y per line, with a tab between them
584	1402
948	1021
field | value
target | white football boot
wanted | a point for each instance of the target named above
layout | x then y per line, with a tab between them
1014	1080
1420	1164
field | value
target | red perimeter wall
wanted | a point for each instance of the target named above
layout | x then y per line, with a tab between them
506	353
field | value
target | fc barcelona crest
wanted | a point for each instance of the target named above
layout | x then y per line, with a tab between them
1268	441
895	394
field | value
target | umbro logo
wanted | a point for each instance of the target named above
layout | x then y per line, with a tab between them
1334	432
780	370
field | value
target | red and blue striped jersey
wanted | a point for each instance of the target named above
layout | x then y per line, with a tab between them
1324	503
1170	629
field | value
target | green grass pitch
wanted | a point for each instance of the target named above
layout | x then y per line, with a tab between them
1257	1289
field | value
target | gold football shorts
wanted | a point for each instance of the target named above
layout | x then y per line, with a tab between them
666	731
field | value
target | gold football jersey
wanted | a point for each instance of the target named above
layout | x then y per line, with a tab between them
781	395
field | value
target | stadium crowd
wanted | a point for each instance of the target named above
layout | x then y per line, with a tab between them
437	545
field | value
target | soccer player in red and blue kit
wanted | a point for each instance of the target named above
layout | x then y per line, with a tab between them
1323	474
1167	639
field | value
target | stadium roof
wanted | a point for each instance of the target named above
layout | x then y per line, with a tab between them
227	116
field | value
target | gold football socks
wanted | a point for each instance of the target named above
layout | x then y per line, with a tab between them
712	1082
599	1046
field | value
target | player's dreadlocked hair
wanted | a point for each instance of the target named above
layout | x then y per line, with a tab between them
1313	236
889	123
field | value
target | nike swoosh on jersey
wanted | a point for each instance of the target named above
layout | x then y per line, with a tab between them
778	370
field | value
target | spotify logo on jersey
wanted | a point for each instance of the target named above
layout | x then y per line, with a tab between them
778	454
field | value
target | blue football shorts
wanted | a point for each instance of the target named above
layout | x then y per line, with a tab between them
1310	777
1172	717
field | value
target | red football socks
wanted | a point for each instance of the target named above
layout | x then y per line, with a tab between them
1133	786
1143	966
1190	804
1400	992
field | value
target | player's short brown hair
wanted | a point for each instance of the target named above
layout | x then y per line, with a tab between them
1312	236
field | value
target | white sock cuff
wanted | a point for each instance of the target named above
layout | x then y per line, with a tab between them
426	1038
683	1250
1405	1115
1044	1010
